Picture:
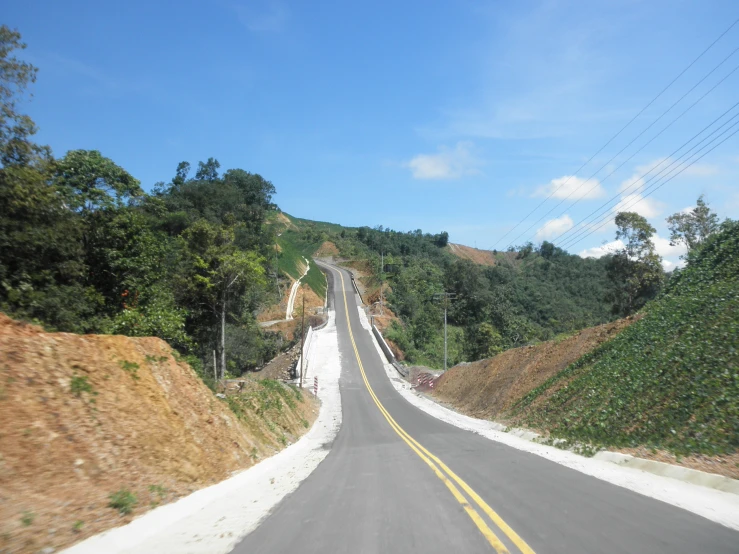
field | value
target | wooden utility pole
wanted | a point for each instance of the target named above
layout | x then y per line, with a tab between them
302	340
446	296
382	273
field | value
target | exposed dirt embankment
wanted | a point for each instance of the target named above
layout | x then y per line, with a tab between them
327	250
482	257
487	388
85	416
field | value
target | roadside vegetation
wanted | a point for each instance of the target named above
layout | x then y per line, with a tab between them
529	295
670	380
84	249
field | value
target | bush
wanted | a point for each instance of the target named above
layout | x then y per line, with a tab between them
123	500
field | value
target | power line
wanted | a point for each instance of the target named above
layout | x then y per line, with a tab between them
657	184
652	101
643	146
598	209
643	197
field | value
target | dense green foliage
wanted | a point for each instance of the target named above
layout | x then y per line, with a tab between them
84	249
670	380
530	295
635	271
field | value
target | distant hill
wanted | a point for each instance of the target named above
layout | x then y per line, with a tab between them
503	299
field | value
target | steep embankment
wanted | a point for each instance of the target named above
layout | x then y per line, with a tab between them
87	416
488	388
671	380
294	250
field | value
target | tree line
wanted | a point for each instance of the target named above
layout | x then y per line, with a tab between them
84	249
532	293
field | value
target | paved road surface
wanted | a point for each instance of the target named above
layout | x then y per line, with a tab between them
379	491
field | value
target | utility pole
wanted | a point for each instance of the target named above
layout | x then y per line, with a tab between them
382	273
446	297
215	367
302	341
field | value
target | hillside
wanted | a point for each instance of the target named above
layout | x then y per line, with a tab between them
482	257
671	380
89	416
489	388
503	300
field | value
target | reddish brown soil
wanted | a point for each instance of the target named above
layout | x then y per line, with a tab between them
489	387
482	257
145	420
312	301
327	250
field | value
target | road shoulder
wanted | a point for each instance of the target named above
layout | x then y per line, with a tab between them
715	505
213	520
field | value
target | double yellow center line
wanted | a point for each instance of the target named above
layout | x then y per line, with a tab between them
447	476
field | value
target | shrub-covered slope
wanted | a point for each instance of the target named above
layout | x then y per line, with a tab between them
671	380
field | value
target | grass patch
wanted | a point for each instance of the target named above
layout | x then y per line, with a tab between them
27	518
123	500
131	368
80	384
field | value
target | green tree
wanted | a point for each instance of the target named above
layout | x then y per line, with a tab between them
183	170
485	341
217	276
207	171
16	129
89	181
635	270
693	227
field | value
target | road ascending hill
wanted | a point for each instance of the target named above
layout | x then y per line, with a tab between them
399	480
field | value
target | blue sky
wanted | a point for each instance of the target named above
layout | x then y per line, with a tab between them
459	116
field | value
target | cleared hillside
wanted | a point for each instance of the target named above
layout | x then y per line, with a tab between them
482	257
488	388
88	416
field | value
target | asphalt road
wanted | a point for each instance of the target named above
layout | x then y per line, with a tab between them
379	491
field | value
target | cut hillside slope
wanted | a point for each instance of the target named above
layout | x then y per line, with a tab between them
488	388
671	380
482	257
86	416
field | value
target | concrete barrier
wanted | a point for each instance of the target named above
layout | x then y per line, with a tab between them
388	353
356	289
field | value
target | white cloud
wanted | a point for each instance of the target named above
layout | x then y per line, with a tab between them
600	251
665	249
572	187
634	183
446	164
647	207
647	172
670	254
554	227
